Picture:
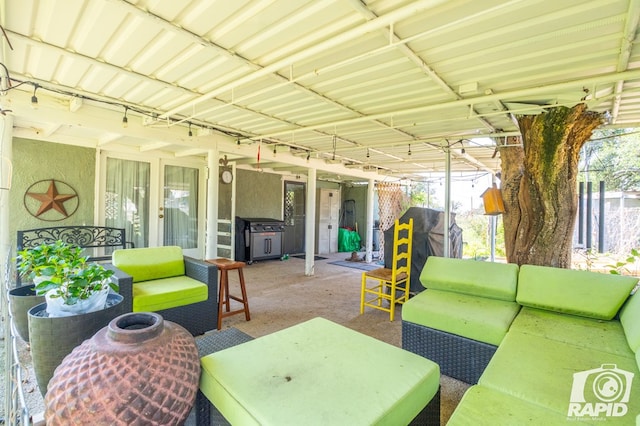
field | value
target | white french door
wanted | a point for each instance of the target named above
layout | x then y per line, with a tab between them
158	201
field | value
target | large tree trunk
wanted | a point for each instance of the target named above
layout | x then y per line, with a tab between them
539	185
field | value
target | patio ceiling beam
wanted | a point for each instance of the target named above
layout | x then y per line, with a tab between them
283	80
381	22
511	96
631	27
417	60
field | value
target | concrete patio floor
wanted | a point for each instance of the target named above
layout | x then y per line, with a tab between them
280	295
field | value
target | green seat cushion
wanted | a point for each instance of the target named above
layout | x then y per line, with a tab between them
482	406
166	293
318	373
477	318
150	263
606	336
630	320
584	293
541	371
486	279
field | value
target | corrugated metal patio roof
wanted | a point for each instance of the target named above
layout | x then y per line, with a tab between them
356	88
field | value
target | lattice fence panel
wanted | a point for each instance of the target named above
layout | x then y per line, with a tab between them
390	202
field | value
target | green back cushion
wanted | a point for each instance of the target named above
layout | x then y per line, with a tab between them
486	279
583	293
150	263
630	319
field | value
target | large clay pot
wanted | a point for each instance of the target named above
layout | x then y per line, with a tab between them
139	369
53	338
21	299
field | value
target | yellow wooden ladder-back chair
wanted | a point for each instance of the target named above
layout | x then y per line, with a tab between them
391	284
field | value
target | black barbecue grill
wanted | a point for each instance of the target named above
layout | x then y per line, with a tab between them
263	238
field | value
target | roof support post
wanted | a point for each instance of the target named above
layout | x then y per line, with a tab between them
447	204
211	244
310	223
369	222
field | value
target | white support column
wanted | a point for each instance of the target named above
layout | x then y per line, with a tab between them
310	224
447	204
211	243
6	159
369	222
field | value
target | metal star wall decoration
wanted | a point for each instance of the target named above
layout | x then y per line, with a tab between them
51	200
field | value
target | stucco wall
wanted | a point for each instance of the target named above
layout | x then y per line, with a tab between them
34	161
258	194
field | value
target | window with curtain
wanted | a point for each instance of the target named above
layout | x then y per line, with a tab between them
127	199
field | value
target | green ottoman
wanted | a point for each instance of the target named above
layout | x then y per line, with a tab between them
319	372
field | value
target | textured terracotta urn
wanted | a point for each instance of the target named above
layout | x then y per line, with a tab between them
139	369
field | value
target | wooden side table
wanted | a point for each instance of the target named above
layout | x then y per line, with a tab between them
224	297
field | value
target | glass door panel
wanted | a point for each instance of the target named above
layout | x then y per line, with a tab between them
127	198
180	216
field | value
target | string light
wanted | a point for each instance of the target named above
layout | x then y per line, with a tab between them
34	98
125	120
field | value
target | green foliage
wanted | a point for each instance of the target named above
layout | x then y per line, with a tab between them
476	234
61	267
614	157
622	267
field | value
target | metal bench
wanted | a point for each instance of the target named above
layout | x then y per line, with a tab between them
98	241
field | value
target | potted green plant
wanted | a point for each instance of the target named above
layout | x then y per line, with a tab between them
78	303
70	284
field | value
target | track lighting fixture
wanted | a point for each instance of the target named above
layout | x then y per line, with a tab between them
409	153
190	132
125	120
308	155
34	98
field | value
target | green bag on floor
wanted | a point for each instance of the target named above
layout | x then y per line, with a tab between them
348	240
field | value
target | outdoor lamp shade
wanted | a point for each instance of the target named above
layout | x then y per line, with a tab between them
492	200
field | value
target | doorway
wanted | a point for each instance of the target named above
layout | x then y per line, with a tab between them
294	216
158	202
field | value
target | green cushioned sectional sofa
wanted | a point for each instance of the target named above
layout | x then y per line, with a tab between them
540	345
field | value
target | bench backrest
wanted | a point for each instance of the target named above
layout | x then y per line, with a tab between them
98	241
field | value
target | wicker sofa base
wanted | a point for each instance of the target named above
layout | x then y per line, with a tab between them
460	358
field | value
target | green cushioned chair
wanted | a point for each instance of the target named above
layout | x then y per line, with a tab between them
161	279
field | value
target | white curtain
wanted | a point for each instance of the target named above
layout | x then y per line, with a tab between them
181	206
127	199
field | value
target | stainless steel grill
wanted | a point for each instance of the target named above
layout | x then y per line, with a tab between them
263	237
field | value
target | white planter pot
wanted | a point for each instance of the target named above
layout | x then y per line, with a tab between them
95	302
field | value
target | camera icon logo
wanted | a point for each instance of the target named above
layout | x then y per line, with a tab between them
603	391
